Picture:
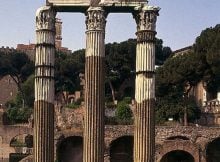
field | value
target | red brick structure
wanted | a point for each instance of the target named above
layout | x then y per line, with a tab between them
29	49
8	89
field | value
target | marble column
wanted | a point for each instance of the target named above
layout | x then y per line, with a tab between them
93	147
44	85
144	131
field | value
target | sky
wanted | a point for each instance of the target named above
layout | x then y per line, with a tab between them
178	25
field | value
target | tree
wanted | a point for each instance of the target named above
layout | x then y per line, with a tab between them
174	80
120	63
28	89
19	115
161	52
207	47
123	113
16	110
67	70
18	66
179	71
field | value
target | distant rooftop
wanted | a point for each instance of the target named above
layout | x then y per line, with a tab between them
6	49
182	50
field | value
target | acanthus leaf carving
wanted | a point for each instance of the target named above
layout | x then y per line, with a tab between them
45	18
146	18
95	19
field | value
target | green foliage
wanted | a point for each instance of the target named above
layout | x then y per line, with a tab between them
161	52
120	63
174	80
110	104
180	73
173	107
10	104
75	104
127	100
181	69
18	115
123	113
72	105
17	111
18	66
28	90
67	70
207	47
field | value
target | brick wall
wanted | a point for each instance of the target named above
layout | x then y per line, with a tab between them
8	89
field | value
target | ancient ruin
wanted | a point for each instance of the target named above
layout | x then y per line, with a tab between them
201	143
44	86
96	12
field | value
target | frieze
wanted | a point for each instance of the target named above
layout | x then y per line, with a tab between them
96	3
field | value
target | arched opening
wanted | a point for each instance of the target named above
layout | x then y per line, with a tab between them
70	149
121	149
178	156
16	157
177	138
213	151
23	144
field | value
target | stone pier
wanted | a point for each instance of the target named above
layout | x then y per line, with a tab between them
93	147
144	131
44	85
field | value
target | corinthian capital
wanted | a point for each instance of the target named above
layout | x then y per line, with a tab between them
95	19
45	18
146	18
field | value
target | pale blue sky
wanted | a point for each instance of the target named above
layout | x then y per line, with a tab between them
179	23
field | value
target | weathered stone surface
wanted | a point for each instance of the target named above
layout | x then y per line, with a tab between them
27	159
93	146
144	125
68	118
96	2
44	85
191	139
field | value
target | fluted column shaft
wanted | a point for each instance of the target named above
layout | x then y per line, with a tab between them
144	133
93	150
44	85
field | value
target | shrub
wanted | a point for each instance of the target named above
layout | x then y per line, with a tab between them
19	115
123	113
127	100
72	105
79	101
